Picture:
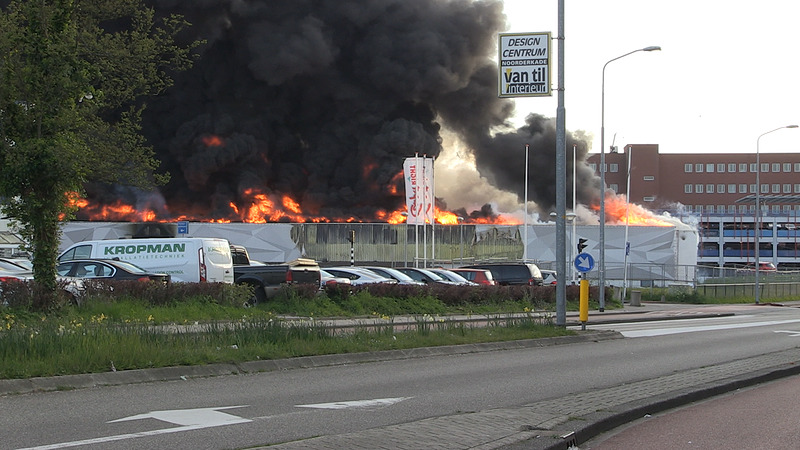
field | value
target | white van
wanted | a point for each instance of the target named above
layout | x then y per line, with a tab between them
185	259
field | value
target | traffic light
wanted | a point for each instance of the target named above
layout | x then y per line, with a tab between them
352	236
581	244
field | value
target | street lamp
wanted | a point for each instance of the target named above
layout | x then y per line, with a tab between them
602	259
757	226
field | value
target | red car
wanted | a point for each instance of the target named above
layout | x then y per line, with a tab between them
479	276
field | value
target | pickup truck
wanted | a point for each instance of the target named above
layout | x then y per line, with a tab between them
267	279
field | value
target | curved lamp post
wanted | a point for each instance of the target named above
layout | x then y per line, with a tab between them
602	259
757	225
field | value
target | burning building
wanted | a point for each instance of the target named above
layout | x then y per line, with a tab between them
303	111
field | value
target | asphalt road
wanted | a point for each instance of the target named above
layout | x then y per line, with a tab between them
246	410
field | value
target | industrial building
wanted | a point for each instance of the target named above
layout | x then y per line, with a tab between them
719	191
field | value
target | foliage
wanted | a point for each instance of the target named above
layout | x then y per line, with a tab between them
70	71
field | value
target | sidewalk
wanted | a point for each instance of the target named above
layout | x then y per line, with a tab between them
551	424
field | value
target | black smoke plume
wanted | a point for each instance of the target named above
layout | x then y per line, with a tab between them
322	100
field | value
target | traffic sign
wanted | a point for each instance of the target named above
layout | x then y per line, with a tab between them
183	227
584	262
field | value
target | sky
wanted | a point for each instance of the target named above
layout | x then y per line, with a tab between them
727	72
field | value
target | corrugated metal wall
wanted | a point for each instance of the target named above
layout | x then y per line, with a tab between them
397	244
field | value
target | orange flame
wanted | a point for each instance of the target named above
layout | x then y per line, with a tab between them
213	141
618	211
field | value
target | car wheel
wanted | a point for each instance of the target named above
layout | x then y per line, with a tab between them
259	296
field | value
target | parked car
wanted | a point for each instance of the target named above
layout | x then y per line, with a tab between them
358	275
327	279
513	273
108	269
452	276
479	276
549	277
13	271
763	266
424	275
14	263
389	272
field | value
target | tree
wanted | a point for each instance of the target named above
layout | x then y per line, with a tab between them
71	74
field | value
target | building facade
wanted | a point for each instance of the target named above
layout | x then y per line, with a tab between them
703	183
719	190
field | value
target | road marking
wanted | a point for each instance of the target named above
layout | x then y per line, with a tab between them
791	333
356	403
677	330
188	419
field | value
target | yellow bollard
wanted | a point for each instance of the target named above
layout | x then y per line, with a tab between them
584	301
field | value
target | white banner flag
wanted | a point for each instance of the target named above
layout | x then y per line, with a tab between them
418	173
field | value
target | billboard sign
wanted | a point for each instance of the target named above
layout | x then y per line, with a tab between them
524	64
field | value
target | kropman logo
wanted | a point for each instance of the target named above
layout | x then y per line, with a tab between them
144	248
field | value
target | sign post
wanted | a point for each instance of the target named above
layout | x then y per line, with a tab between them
584	263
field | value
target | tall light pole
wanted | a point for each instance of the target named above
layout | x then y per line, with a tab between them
461	238
602	259
757	225
405	239
525	222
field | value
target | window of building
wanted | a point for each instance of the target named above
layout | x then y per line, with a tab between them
687	188
797	167
699	169
720	167
710	209
787	167
687	167
797	188
753	167
731	189
786	208
776	188
604	168
764	167
776	208
648	178
742	208
743	189
698	208
698	188
614	167
649	199
614	187
731	209
710	167
721	188
776	167
752	188
731	167
765	189
709	189
593	166
743	167
787	188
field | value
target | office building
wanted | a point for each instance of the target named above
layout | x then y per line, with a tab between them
719	191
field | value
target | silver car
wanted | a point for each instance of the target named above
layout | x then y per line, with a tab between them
358	275
388	272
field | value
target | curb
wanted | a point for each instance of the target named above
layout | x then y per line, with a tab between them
602	422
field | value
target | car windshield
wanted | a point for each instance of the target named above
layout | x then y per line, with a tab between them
6	265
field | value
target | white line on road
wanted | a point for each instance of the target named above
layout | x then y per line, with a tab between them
677	330
356	403
191	419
